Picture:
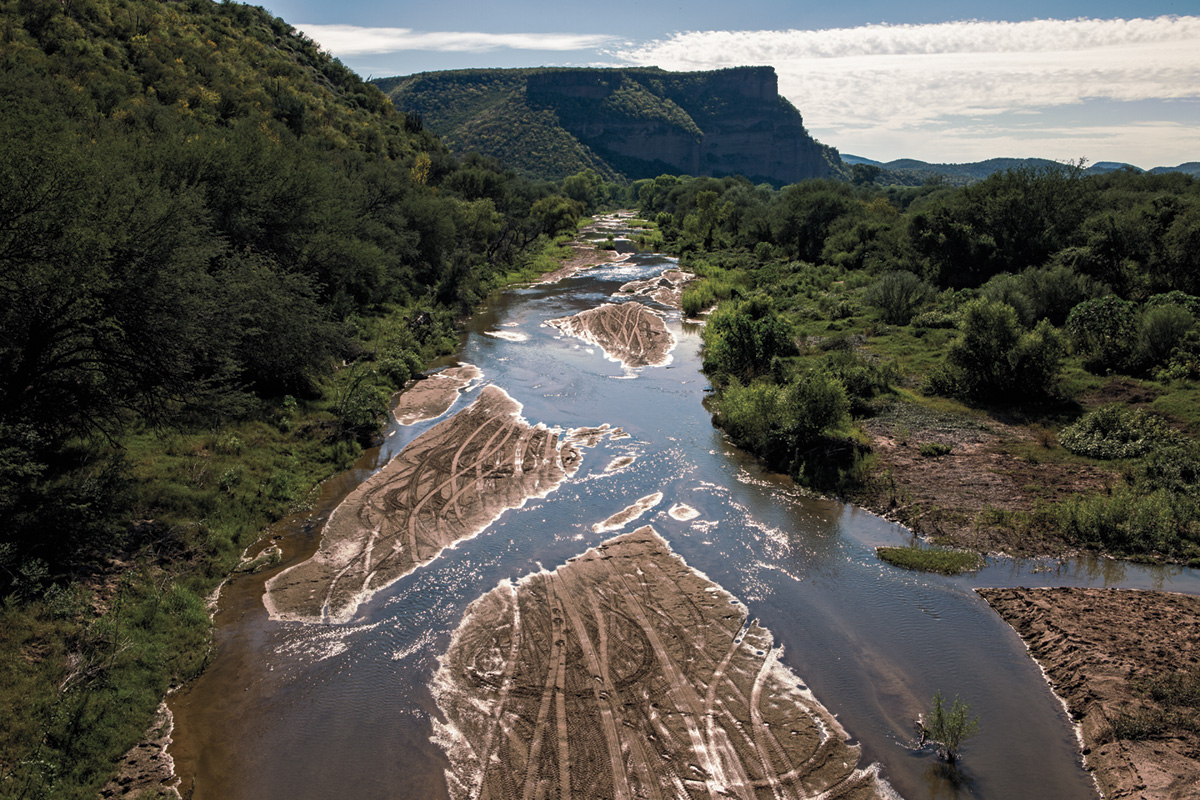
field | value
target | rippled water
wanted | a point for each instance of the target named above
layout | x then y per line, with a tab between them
289	710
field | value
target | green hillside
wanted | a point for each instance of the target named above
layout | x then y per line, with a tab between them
220	253
549	123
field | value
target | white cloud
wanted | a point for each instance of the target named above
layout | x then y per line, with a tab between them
901	79
352	40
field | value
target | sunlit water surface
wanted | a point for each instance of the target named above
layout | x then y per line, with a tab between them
293	711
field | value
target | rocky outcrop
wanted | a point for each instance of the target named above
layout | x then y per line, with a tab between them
635	123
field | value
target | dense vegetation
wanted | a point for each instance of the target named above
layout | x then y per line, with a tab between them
220	251
1016	295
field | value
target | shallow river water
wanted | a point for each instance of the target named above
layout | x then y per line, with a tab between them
293	710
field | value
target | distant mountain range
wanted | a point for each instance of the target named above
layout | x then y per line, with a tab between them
624	123
912	171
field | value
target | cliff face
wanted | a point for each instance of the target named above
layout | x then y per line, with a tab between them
637	123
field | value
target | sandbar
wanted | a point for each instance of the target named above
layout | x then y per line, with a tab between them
627	332
447	485
683	512
666	289
432	396
627	674
629	513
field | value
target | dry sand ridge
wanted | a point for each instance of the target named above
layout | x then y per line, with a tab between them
626	674
447	485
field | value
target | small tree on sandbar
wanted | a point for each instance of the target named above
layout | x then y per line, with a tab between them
948	729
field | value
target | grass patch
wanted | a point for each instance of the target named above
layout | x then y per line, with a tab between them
931	559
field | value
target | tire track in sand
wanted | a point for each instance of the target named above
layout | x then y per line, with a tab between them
637	678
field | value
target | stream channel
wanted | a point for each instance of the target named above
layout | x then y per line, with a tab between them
295	710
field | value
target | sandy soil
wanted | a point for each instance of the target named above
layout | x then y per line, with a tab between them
666	289
447	485
629	513
585	256
626	674
431	397
942	496
147	769
1098	646
627	332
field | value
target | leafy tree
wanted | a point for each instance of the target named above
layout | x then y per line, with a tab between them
741	340
993	358
1103	330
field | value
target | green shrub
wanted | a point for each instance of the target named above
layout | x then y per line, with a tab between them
1103	331
1162	329
935	449
899	295
935	319
949	729
1115	431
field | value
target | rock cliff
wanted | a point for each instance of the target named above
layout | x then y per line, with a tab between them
633	123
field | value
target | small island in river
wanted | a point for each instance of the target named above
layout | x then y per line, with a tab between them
627	332
447	485
627	674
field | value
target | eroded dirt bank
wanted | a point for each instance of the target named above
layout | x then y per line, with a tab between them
624	674
627	332
1105	651
448	484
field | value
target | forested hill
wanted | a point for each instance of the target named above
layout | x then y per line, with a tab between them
220	252
623	123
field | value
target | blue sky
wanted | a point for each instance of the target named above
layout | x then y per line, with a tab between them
939	81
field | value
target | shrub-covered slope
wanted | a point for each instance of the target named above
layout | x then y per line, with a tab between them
635	123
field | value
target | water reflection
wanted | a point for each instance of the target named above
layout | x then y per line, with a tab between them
293	711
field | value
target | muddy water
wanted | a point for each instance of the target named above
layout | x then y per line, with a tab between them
292	710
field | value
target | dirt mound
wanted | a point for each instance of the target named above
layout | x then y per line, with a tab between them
447	485
626	674
1102	650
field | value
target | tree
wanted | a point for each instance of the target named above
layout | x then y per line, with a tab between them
948	729
993	358
898	295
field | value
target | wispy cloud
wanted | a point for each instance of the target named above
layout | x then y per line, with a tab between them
351	40
900	78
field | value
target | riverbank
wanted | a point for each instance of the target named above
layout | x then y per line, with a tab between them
1126	665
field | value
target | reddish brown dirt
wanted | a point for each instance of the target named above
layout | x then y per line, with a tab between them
1096	646
447	485
627	332
944	496
626	674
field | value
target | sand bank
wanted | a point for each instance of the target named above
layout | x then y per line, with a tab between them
447	485
626	674
666	289
627	332
432	396
1100	649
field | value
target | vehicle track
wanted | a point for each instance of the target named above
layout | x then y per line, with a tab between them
637	677
446	485
627	332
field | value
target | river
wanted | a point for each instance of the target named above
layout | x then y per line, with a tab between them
294	710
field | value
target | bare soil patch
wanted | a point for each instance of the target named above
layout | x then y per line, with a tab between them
943	496
626	674
627	332
1098	648
447	485
147	770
